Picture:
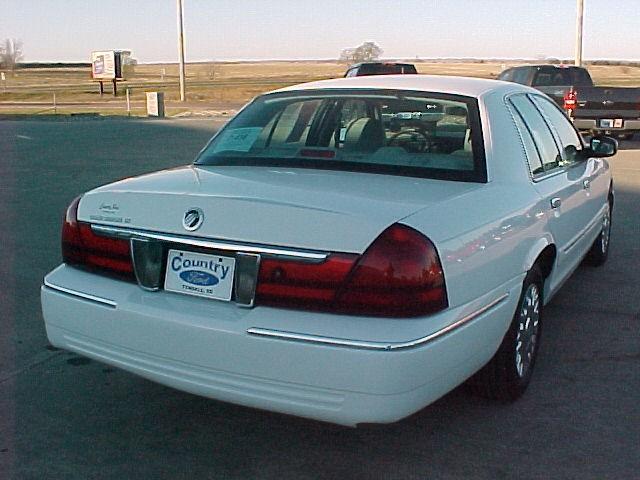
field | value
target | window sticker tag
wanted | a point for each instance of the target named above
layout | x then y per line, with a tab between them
238	139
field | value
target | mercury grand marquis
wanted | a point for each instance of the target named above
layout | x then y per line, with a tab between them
345	250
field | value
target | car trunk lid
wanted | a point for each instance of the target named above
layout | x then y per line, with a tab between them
296	208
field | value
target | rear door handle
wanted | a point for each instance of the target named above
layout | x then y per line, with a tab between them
586	184
556	202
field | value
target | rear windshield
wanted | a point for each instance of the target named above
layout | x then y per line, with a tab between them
385	69
408	133
552	77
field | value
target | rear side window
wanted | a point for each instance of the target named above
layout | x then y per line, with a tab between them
542	136
506	76
581	77
533	158
569	139
410	133
521	75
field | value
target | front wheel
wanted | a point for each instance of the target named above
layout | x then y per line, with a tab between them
508	373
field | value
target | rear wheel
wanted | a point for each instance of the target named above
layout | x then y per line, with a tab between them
599	251
508	373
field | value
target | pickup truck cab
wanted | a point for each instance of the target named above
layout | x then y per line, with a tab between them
608	110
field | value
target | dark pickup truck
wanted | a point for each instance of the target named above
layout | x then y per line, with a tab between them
608	110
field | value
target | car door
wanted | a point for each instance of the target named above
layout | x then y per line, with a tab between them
590	171
560	188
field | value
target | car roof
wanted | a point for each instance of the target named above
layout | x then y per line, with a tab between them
466	86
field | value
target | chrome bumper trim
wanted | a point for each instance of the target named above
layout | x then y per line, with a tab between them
366	345
85	296
128	233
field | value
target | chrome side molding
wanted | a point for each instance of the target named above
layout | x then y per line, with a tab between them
85	296
366	345
129	233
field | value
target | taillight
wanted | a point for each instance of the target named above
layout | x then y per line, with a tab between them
570	101
292	283
399	275
81	246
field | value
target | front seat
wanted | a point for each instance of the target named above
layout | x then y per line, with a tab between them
364	135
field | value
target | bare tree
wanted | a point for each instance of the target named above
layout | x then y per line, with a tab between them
367	52
346	56
10	53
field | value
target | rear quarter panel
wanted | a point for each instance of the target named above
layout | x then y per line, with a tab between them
489	238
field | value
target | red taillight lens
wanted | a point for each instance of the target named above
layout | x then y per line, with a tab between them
301	284
571	100
399	275
80	246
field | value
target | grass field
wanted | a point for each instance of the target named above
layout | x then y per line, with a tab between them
213	87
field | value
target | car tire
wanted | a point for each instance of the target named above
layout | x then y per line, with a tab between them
507	375
599	251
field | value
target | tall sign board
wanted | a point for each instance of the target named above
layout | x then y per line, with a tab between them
106	65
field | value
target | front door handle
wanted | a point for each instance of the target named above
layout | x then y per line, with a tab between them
556	202
586	184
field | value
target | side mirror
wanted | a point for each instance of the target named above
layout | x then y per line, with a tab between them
601	146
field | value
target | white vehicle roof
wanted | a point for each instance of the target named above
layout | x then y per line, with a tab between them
467	86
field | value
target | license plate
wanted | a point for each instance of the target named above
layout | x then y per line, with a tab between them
203	275
611	123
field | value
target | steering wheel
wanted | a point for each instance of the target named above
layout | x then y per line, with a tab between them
412	140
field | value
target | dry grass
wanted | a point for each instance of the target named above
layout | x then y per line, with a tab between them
208	83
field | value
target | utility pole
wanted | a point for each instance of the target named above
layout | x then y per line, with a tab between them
579	25
181	50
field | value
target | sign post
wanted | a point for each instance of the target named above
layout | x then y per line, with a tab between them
181	50
579	27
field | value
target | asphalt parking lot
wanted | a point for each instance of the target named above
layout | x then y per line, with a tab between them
63	416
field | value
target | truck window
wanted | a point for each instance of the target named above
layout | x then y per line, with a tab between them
581	77
555	77
507	75
521	75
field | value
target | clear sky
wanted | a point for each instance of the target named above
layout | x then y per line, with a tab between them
67	30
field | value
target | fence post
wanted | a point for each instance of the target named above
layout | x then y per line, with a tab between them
128	102
55	106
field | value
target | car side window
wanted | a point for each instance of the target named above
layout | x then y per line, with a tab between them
542	136
533	158
569	138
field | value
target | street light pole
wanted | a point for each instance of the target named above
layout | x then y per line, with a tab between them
579	25
181	50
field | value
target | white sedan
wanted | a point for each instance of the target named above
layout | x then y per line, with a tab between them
346	250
